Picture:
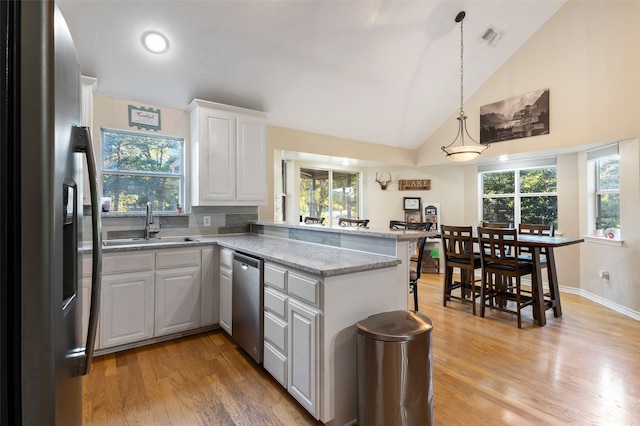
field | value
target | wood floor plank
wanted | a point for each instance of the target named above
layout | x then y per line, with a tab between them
582	368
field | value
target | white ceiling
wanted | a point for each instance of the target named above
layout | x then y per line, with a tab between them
385	71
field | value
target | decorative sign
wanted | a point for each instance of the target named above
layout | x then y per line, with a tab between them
144	118
405	184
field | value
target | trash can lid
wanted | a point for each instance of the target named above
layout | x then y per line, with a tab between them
395	326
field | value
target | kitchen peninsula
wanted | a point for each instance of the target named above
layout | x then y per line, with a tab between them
318	283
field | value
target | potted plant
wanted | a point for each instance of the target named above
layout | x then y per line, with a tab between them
597	231
178	209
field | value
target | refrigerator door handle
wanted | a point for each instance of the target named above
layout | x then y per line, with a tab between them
82	143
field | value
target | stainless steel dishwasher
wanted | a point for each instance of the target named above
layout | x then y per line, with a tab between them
247	304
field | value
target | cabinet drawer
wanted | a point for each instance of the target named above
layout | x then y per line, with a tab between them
306	288
177	258
275	330
275	363
275	301
226	258
275	277
127	263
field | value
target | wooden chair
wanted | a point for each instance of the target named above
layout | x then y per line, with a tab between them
457	247
501	272
314	220
551	299
419	226
414	274
343	221
494	224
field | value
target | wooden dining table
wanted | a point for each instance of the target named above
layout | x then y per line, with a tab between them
536	243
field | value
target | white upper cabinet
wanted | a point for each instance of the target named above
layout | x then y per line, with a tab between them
228	155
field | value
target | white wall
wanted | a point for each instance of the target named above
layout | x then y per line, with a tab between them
622	262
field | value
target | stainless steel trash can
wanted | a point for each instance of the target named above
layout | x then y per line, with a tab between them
395	386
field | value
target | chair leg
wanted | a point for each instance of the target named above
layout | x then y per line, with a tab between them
448	281
483	292
415	297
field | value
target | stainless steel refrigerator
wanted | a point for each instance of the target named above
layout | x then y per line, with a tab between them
43	151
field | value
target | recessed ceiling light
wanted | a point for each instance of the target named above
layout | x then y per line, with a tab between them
155	42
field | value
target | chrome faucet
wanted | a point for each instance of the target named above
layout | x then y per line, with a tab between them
148	232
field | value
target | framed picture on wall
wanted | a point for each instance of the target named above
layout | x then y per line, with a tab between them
411	203
413	216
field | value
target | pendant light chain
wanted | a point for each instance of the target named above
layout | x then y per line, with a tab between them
461	66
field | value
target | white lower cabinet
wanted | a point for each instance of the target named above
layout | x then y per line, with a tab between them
292	332
226	279
177	300
152	293
303	355
127	308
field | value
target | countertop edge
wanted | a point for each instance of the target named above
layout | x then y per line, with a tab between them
328	268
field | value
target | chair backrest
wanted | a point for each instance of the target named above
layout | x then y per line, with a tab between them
528	228
531	229
310	219
494	225
343	221
495	246
457	244
419	226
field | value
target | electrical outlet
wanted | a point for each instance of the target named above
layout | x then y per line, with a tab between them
604	275
207	220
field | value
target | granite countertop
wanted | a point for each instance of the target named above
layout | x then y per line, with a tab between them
396	234
314	258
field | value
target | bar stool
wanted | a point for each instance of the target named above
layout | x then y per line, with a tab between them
343	221
314	220
457	246
414	274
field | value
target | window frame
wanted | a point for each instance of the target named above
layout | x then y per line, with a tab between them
181	177
517	195
330	171
594	165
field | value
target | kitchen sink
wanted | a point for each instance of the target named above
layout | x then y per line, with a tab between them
144	242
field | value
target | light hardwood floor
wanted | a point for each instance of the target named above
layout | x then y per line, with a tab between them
581	369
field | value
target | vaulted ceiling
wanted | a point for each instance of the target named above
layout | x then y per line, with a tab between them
380	71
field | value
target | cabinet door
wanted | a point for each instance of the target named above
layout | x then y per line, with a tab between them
216	174
252	160
226	292
126	313
304	355
177	300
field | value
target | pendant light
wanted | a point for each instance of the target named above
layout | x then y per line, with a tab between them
459	149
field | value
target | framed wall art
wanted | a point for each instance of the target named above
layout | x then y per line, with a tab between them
144	118
518	117
413	216
411	203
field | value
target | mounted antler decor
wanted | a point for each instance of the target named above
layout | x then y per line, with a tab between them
383	181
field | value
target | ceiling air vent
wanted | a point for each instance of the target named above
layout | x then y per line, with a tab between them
491	35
